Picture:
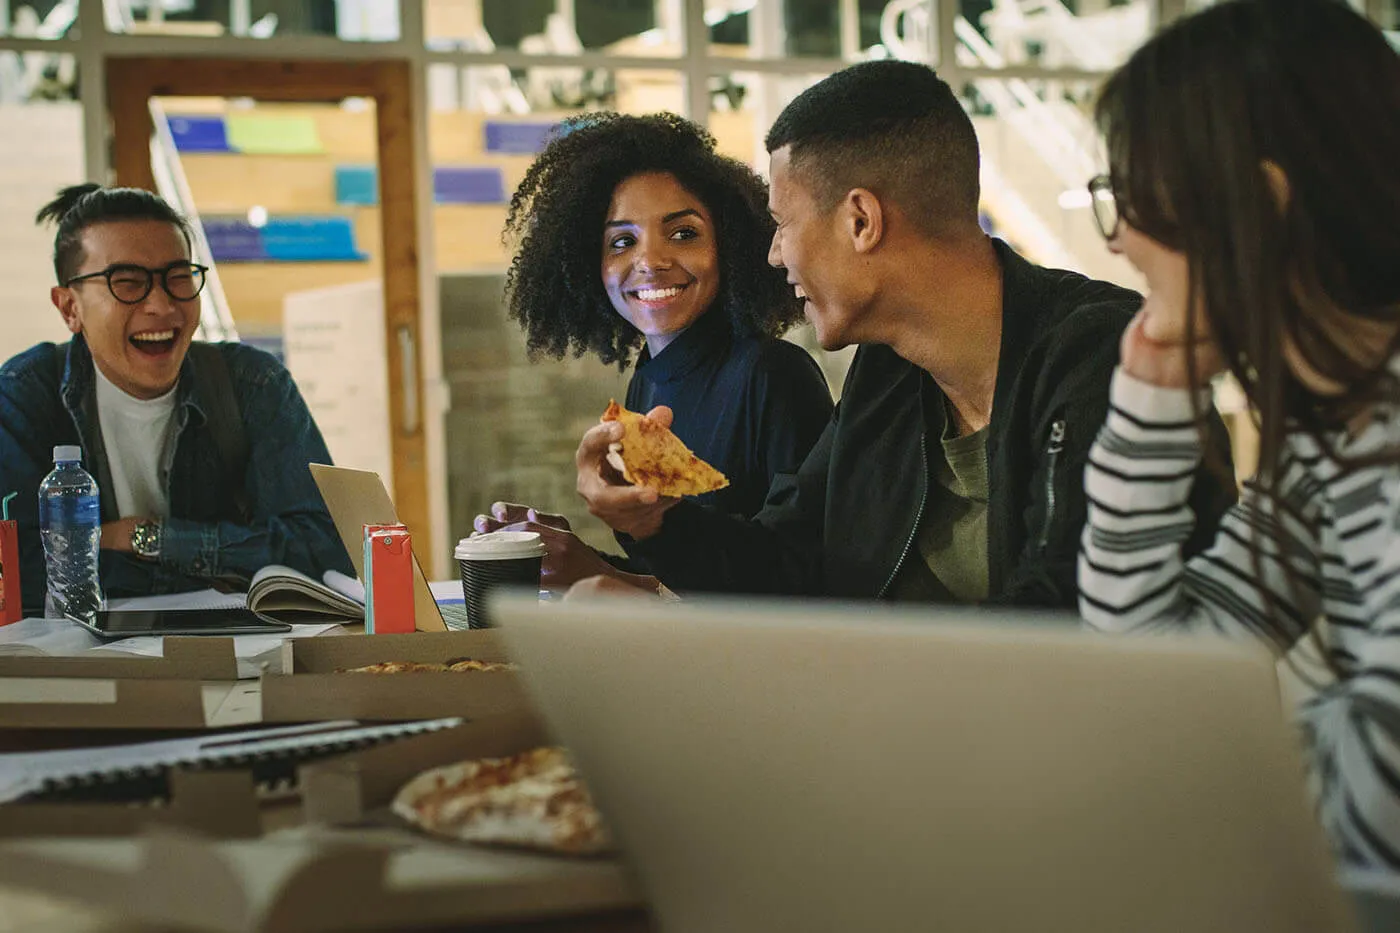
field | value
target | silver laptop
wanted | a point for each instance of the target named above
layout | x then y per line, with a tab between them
816	768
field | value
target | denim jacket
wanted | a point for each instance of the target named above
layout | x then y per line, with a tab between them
205	538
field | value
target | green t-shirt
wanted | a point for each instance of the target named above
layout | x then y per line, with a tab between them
952	538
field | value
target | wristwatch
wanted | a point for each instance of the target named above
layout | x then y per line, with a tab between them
145	539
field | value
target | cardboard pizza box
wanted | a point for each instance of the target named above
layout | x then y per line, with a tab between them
314	879
313	690
346	789
197	865
219	804
103	703
355	787
203	657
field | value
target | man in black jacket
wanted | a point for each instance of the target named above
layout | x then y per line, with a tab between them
952	469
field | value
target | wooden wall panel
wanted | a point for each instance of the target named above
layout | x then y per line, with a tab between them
232	183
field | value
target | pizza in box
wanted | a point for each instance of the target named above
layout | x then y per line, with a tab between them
452	666
650	455
533	800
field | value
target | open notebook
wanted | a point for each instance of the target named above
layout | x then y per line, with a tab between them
275	591
289	595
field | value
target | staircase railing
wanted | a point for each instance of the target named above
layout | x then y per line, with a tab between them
1055	133
215	317
1092	42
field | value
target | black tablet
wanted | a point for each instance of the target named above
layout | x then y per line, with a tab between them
127	623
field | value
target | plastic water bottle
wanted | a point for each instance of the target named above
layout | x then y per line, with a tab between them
70	523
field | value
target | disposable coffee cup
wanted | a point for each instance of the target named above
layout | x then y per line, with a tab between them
497	558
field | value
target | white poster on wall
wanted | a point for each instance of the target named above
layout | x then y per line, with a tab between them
334	344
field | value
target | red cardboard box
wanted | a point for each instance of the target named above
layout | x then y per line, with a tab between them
388	580
11	608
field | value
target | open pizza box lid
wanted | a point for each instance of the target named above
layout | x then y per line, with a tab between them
314	691
346	789
297	878
314	879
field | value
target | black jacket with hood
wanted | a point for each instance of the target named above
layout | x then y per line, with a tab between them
845	524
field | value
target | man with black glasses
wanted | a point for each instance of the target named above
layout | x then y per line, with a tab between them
199	450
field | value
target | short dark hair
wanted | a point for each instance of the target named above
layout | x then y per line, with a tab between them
554	287
78	207
893	127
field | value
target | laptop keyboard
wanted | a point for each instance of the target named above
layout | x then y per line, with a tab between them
454	615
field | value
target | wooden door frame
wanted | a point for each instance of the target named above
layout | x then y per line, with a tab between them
131	82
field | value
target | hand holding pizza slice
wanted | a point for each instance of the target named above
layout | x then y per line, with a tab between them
650	455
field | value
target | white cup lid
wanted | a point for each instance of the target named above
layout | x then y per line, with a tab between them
500	545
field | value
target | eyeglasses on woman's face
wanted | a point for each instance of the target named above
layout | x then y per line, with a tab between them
130	284
1105	204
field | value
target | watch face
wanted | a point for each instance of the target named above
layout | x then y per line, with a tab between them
145	539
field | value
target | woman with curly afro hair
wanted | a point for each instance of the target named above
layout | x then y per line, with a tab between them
635	239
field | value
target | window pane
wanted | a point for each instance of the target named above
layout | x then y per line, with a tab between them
1090	35
1389	16
40	19
37	76
622	27
775	28
743	104
350	20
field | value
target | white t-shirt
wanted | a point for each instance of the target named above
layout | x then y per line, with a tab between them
134	432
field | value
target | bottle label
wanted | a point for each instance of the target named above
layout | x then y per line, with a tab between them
62	512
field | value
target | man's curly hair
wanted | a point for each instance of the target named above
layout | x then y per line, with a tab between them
555	285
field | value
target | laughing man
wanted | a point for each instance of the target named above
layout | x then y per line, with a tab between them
199	450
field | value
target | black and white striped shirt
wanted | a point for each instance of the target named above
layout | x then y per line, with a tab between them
1338	530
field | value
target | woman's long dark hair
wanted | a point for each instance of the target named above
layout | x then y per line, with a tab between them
1191	122
1261	138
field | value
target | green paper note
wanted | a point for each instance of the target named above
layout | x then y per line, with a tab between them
258	135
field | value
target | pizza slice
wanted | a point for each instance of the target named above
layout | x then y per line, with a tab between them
454	665
395	667
532	800
464	665
650	455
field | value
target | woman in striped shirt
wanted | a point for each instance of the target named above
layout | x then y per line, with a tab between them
1255	182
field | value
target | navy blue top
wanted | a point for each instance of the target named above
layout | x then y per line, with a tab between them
751	407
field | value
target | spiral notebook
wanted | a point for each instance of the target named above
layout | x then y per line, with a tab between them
140	772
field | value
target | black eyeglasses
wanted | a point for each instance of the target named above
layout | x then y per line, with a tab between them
130	284
1105	204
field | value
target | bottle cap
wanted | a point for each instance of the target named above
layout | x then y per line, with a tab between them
67	453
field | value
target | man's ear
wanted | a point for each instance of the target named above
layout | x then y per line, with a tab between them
67	306
864	218
1277	180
